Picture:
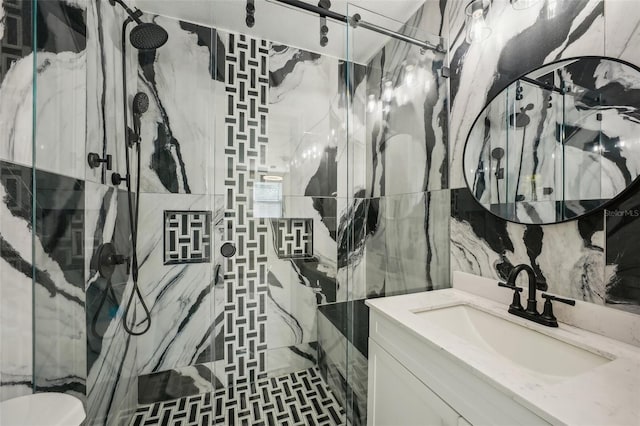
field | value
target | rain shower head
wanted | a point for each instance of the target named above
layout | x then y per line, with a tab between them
148	36
140	103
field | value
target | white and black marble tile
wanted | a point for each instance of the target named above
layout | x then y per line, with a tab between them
16	295
55	262
375	250
622	34
353	231
176	383
438	236
180	296
59	310
343	330
406	243
520	41
306	120
622	268
60	83
181	80
298	285
105	113
349	121
110	350
407	110
416	233
486	245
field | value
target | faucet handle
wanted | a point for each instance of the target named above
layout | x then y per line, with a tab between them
547	313
550	297
511	286
515	303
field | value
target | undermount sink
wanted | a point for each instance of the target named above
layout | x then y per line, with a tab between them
548	358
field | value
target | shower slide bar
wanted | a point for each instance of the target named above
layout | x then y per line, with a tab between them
356	21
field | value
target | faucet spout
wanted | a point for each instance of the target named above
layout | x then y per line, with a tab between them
531	297
531	313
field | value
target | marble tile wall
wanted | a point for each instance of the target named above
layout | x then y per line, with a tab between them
185	85
343	332
110	350
104	88
407	152
595	264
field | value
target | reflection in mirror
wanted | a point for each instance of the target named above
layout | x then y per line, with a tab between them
558	142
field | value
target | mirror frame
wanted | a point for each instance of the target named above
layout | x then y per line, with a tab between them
602	207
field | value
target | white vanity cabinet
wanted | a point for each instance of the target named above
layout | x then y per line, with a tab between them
412	382
397	397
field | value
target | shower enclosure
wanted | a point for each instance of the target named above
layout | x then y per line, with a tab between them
282	180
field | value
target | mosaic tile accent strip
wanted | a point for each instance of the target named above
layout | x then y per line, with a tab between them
187	237
300	398
245	278
294	238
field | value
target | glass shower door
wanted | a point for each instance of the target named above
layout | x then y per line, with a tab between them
277	163
400	208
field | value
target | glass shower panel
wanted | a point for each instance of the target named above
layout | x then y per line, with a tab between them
92	336
401	204
16	323
57	212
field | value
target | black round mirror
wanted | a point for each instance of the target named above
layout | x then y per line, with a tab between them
558	142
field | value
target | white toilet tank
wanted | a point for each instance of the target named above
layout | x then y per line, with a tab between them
42	409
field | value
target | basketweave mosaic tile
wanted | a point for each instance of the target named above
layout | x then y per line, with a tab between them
246	127
300	398
187	237
294	238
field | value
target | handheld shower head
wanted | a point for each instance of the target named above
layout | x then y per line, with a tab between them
139	107
140	103
148	36
497	153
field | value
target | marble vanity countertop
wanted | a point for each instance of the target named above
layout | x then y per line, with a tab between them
606	395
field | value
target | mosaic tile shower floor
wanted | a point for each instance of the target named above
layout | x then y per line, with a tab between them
300	398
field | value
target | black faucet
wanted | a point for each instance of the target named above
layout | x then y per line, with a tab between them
531	312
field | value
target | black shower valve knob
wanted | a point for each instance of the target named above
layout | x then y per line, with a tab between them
95	160
117	179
